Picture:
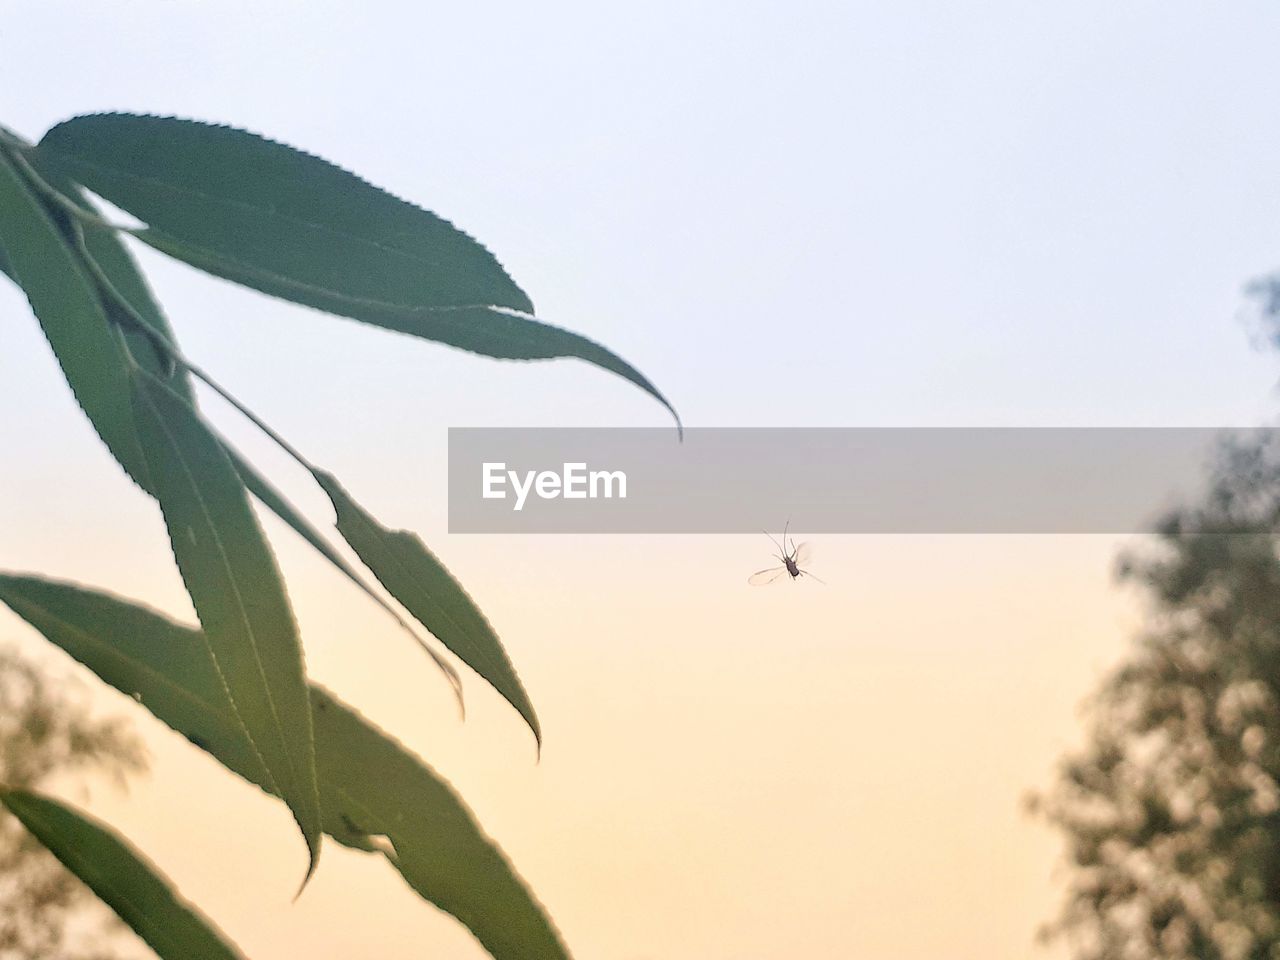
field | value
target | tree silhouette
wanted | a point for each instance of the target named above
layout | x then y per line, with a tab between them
46	731
1171	811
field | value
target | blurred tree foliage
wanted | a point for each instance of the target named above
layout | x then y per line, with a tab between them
47	733
1172	809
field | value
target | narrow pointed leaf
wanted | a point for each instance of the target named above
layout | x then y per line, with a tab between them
78	326
279	210
122	878
289	224
67	305
144	655
120	268
110	254
412	574
278	504
370	786
381	789
489	331
231	575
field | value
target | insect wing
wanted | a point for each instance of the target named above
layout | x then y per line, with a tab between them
804	553
761	577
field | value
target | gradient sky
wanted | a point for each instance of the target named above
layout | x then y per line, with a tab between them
806	214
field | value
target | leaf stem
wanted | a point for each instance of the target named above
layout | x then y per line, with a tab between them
125	315
17	154
172	353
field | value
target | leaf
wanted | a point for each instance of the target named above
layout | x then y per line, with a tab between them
41	257
289	224
504	335
106	250
122	878
370	785
278	504
66	303
384	790
231	575
114	259
102	394
5	267
279	210
89	347
412	574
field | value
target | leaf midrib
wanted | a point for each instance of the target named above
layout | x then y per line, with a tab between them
269	213
84	866
114	654
407	574
489	660
240	608
295	284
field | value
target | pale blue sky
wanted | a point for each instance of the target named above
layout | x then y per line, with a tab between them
804	213
820	214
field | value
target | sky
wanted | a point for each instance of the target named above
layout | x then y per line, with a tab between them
841	214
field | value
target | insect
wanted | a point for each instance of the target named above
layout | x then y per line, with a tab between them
791	556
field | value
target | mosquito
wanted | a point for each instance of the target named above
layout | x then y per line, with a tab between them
791	555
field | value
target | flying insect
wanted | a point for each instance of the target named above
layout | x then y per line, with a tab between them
792	556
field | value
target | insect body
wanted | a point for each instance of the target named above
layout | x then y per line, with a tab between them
791	555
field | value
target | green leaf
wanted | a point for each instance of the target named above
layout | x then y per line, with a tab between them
412	574
122	878
382	789
231	575
504	335
114	259
277	503
37	245
79	327
66	303
89	348
287	223
5	267
111	256
370	785
280	211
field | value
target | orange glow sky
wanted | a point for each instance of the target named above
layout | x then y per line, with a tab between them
729	772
